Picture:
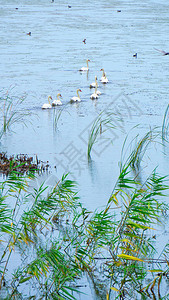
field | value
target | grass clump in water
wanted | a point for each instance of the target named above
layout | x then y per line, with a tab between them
11	113
106	120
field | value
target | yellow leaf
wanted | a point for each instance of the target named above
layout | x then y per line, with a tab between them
118	263
107	296
114	199
155	270
127	241
107	209
89	232
129	257
133	224
114	289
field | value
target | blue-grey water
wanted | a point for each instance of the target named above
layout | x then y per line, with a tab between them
48	61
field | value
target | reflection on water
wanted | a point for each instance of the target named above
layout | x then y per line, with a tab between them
47	62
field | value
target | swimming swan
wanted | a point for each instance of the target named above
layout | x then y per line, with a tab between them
58	101
47	105
94	95
103	75
94	84
98	92
76	99
85	68
105	79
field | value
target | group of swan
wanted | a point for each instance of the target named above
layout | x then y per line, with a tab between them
54	103
103	79
58	101
77	98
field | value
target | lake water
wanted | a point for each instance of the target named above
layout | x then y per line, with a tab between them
47	62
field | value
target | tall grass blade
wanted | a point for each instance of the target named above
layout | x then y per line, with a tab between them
165	124
106	120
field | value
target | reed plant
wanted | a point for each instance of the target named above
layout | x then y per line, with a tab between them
58	240
165	124
12	113
123	242
106	120
135	150
119	239
25	228
57	113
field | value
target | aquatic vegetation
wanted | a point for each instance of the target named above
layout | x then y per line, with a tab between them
138	147
165	124
58	239
57	114
25	229
133	245
11	113
106	120
21	163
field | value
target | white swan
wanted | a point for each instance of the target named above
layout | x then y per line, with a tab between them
85	68
58	101
98	92
94	95
47	105
76	99
103	75
93	84
105	79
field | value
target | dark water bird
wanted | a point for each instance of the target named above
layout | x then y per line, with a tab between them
135	55
162	51
118	10
29	33
84	41
69	6
16	7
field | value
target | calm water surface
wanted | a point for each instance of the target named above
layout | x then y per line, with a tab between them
47	62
